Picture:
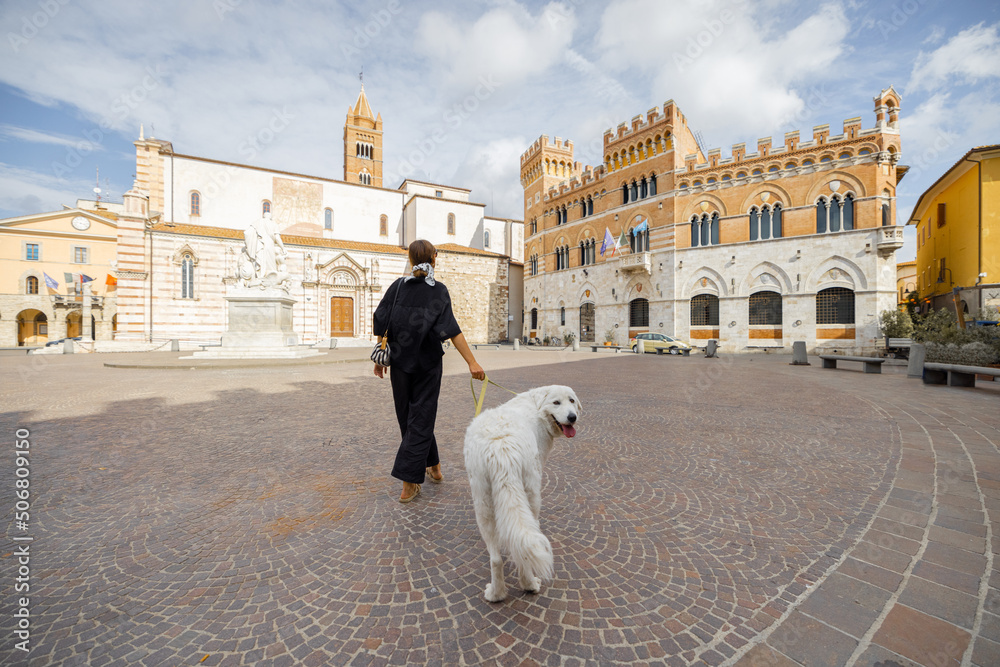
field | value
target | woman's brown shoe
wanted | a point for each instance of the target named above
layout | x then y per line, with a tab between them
407	498
434	474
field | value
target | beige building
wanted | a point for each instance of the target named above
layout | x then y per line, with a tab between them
38	303
906	279
793	240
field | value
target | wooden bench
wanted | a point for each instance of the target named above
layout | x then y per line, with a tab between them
954	375
616	348
663	350
872	364
495	346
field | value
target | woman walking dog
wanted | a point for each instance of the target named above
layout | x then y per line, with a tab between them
416	313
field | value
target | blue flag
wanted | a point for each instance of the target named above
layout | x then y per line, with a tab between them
609	241
642	226
50	282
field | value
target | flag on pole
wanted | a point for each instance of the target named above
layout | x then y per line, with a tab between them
50	282
111	280
608	242
84	278
621	242
642	226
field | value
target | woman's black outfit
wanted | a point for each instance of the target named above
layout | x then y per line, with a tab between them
421	319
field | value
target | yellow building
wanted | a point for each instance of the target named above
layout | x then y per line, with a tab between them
37	254
958	234
906	279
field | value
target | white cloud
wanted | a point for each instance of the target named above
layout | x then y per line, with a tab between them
24	192
37	137
507	44
708	54
492	172
969	56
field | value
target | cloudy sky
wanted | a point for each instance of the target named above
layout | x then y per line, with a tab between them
465	86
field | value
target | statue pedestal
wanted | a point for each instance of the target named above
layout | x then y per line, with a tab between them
260	327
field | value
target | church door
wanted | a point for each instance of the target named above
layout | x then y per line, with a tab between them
341	317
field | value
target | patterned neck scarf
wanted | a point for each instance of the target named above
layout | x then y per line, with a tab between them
429	278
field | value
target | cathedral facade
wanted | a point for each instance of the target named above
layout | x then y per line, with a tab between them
792	241
180	236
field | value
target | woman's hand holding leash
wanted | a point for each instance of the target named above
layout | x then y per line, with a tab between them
463	349
477	371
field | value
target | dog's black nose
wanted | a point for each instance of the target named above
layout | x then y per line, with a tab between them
571	417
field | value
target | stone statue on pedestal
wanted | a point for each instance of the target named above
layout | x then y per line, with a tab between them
262	262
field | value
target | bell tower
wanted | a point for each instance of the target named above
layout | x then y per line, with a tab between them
363	144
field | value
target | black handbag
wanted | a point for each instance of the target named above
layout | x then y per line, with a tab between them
381	353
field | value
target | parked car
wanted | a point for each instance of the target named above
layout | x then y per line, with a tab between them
651	341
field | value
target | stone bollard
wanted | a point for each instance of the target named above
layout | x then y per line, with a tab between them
576	346
517	344
711	348
915	367
175	345
799	356
68	346
333	343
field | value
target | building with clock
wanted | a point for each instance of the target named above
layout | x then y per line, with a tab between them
159	265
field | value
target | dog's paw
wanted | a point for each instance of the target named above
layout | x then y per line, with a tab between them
531	584
494	596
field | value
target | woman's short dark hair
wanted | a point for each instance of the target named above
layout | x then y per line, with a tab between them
421	252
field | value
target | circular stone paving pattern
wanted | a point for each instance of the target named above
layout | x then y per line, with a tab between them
264	529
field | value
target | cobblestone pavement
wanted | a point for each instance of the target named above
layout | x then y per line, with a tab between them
735	511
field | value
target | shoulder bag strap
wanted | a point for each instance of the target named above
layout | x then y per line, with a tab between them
395	298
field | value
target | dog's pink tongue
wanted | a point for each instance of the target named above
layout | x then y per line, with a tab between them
568	430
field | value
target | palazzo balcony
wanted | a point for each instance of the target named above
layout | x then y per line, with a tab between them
890	239
636	261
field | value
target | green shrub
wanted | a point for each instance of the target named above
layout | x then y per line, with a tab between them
970	354
896	323
568	338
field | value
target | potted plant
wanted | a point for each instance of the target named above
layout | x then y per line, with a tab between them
609	337
568	338
546	340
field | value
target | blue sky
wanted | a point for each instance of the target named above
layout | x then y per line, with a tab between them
465	87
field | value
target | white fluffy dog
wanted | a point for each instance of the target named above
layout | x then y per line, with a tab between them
505	449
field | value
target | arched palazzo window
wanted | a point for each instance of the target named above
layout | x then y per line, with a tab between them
765	309
643	192
638	241
835	305
886	217
265	207
187	276
765	222
451	223
534	318
705	230
590	206
625	193
638	313
328	219
31	285
486	238
652	185
705	310
588	252
633	192
835	213
195	203
562	316
383	227
562	258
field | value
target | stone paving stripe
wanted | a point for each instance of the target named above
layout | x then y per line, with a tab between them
922	638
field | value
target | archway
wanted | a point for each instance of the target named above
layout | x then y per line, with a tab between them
32	328
588	318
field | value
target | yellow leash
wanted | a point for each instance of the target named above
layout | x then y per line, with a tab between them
482	393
